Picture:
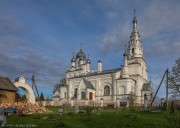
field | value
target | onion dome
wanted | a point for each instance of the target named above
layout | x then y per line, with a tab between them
81	55
88	60
73	58
125	53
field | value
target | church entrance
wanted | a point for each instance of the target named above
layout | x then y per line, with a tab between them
90	96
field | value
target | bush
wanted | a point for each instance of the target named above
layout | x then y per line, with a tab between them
173	119
89	110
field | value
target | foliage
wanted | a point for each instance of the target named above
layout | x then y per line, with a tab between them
107	119
41	98
61	83
174	78
18	97
172	106
89	110
173	119
23	98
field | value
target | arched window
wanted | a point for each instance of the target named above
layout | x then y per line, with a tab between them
132	50
75	93
83	95
65	95
106	90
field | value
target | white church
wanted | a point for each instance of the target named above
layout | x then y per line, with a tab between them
123	86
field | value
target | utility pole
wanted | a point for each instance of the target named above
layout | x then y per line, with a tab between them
159	87
34	85
167	89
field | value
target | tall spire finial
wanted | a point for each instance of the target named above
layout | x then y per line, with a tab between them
81	46
134	12
73	58
134	20
125	48
125	53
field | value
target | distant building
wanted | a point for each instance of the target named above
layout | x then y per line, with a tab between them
7	90
126	85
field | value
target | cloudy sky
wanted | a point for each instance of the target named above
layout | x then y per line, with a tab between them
39	36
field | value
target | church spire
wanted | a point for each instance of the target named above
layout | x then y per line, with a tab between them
125	57
134	22
135	46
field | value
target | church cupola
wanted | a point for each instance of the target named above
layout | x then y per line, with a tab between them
88	64
88	60
73	59
99	66
73	62
125	70
135	44
80	57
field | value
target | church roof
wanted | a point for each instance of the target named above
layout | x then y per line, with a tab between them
146	87
56	96
6	84
88	84
98	73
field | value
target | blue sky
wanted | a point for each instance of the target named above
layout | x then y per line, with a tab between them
39	36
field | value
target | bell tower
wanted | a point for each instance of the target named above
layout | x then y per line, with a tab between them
135	44
136	63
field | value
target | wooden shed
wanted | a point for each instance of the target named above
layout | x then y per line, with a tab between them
7	90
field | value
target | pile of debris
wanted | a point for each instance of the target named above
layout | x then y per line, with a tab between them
25	108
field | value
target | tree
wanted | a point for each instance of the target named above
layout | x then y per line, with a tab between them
174	78
61	83
23	98
41	97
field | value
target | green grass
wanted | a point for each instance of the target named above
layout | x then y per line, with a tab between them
105	118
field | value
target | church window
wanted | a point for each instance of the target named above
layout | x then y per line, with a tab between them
106	90
122	90
75	93
83	95
132	50
65	95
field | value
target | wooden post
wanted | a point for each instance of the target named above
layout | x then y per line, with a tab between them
158	89
34	85
116	98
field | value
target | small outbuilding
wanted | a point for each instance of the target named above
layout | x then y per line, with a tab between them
7	90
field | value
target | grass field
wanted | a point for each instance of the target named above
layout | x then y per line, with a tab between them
104	118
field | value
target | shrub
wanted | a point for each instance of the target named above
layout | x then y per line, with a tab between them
173	119
89	110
